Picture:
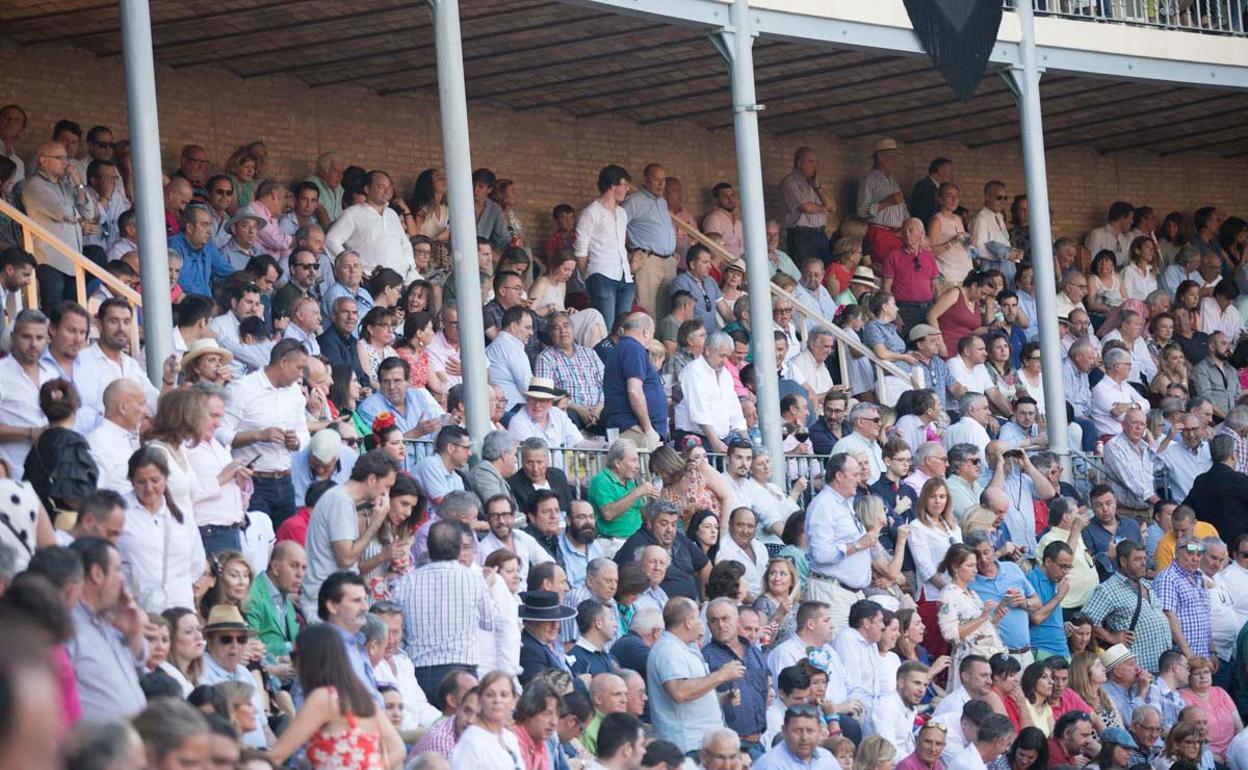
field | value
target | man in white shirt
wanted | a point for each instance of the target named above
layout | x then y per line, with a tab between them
117	436
996	733
709	406
865	419
107	360
500	515
1186	458
244	303
858	648
973	427
601	246
265	422
22	373
17	268
809	368
444	350
969	374
893	717
396	668
305	324
990	235
1113	397
1112	236
374	231
771	506
742	547
540	417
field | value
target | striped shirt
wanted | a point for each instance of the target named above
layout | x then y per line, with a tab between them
1183	593
444	605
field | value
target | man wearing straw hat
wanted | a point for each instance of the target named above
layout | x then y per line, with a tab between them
881	202
229	638
540	417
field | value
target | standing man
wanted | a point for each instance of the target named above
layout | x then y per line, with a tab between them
635	402
1220	494
601	252
698	283
1183	592
1114	614
651	237
684	705
17	268
806	208
839	549
1005	584
56	199
1112	236
745	701
865	419
923	203
723	220
373	230
22	373
881	202
266	422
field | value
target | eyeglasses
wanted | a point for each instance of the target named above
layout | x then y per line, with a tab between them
239	639
224	191
351	442
974	461
870	419
305	265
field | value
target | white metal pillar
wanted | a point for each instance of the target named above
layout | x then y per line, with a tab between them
149	198
736	44
453	102
1025	82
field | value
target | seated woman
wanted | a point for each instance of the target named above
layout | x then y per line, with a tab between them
549	293
690	482
59	465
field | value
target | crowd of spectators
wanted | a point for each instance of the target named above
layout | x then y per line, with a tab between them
285	553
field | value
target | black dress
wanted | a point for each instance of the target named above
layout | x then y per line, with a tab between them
61	469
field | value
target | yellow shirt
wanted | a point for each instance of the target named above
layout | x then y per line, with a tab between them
1083	577
1165	546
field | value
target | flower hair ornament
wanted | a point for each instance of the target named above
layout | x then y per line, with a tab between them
382	421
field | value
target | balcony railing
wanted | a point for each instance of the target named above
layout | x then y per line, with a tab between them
1207	16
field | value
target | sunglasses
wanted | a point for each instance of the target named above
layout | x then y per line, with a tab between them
933	723
105	145
305	265
228	639
801	710
222	192
1194	548
870	419
351	442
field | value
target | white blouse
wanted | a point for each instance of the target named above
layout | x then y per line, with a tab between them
162	557
1137	283
928	545
478	748
500	648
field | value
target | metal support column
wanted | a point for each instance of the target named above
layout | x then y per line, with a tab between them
1025	82
453	101
149	197
736	44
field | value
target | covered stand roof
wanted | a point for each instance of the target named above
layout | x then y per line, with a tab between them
589	60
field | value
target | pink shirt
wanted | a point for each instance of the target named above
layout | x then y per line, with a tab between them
270	239
910	283
913	762
440	351
1220	710
720	221
71	709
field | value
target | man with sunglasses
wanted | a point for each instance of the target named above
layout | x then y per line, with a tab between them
865	419
1182	590
225	660
991	236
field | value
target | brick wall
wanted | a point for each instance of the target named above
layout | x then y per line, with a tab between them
553	157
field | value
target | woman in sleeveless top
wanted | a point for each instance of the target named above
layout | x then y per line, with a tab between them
948	237
956	312
340	723
550	291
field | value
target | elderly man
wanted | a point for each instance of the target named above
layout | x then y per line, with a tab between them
272	604
684	704
963	477
609	695
339	343
1182	590
374	230
811	292
224	660
441	637
931	461
325	458
1072	288
745	701
1080	360
972	428
838	544
488	477
536	475
244	226
809	368
635	401
541	418
268	204
55	197
542	614
1130	686
1186	458
574	369
654	561
881	202
444	350
1129	462
651	236
305	323
1215	378
688	568
117	435
743	547
395	669
1113	397
632	649
865	420
1113	608
500	515
328	180
806	207
709	406
348	282
989	233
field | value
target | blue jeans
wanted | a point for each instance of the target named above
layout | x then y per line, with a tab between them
217	539
275	497
610	297
54	287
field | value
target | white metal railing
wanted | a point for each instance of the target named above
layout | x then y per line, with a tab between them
32	231
1207	16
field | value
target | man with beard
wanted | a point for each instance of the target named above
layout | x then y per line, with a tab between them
500	515
577	541
1214	378
107	360
688	568
723	219
68	327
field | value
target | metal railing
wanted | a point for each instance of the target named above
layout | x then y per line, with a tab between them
808	316
32	231
1205	16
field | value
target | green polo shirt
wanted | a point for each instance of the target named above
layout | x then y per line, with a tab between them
605	489
589	736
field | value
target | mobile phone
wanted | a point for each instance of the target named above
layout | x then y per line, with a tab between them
253	462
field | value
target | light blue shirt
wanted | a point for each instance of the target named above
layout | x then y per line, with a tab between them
215	673
684	724
705	294
1183	466
831	525
1014	436
1078	390
1020	520
649	223
510	368
363	300
435	480
819	300
419	406
780	758
354	645
301	472
1028	305
575	563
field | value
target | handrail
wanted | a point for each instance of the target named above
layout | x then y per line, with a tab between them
808	313
32	230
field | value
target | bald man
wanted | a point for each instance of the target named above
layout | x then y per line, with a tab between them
56	198
270	606
117	436
178	193
609	694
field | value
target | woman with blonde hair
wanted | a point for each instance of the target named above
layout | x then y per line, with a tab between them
948	238
777	604
185	660
875	753
690	483
933	533
233	575
242	710
966	622
1088	678
887	581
